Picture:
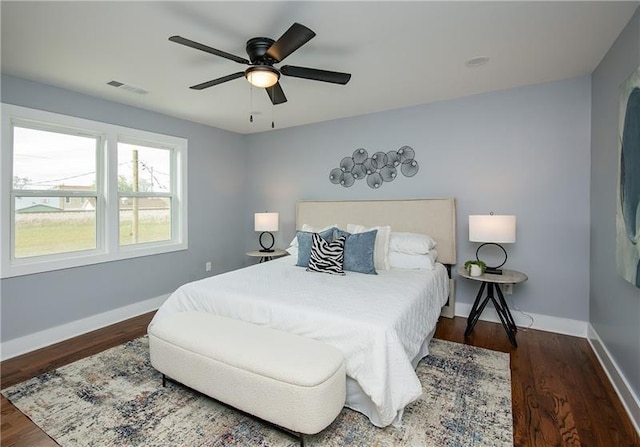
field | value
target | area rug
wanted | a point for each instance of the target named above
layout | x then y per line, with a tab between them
116	398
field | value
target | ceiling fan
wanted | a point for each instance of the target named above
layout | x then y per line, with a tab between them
263	54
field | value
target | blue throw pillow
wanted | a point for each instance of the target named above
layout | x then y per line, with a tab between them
304	244
358	251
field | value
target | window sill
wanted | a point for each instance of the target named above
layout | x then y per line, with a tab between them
46	264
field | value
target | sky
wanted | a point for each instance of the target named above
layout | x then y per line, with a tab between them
50	159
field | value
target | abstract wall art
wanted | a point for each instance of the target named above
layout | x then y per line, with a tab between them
377	169
628	191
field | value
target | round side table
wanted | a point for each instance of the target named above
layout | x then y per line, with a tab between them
267	255
490	283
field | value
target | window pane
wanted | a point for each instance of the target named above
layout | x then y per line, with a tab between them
143	168
50	225
50	160
144	219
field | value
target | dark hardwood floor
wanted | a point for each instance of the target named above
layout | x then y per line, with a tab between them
561	395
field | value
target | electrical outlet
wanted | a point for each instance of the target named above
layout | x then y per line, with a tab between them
507	289
207	266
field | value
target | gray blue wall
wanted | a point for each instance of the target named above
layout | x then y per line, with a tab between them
614	302
216	188
523	151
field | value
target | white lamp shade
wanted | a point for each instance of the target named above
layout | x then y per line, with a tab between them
499	229
266	221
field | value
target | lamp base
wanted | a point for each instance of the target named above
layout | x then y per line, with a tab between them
265	249
493	270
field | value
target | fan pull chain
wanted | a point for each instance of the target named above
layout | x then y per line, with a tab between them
251	104
273	95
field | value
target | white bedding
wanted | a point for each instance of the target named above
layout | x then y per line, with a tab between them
378	321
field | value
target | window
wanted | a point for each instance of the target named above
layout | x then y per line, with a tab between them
49	168
78	192
144	185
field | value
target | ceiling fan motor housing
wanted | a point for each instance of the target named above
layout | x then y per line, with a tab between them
257	49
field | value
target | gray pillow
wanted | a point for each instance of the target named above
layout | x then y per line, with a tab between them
304	244
358	251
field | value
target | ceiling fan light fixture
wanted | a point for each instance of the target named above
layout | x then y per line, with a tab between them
262	76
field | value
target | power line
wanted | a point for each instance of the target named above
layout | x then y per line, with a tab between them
44	182
151	170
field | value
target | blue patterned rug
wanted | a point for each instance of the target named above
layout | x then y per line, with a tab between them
115	398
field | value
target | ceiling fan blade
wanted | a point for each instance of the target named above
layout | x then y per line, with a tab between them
276	94
315	75
208	84
296	36
201	47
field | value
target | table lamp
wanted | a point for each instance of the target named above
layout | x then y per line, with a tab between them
266	222
492	229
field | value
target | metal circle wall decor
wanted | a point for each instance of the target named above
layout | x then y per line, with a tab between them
334	176
381	167
360	155
359	171
347	164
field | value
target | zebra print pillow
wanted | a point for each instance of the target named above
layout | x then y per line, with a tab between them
326	257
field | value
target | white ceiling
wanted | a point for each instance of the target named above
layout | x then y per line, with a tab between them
399	53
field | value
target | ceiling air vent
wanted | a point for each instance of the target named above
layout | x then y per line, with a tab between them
128	87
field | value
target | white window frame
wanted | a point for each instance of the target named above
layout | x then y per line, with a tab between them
107	207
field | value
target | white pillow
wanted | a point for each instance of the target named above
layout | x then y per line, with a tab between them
381	249
292	250
310	229
414	262
411	243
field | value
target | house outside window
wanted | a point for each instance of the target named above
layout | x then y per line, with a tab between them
78	192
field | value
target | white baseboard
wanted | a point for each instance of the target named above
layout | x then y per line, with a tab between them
629	400
47	337
565	326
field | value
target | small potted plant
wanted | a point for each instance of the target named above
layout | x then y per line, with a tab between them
475	267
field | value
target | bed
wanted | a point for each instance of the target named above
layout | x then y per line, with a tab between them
382	323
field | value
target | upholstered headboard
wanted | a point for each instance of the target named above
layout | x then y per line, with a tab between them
435	217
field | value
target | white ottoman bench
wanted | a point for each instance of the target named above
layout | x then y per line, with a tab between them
291	381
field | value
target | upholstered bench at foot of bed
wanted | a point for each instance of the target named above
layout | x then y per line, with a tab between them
292	381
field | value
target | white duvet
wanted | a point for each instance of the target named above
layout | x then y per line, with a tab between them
378	321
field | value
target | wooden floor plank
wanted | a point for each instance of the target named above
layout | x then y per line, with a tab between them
19	431
560	394
21	368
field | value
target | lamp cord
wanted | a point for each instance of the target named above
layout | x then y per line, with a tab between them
516	308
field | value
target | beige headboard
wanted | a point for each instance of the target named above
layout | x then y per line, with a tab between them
435	217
